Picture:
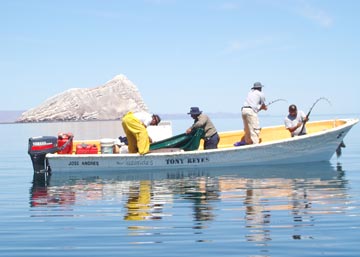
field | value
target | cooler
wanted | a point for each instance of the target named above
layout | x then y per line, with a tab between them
86	149
63	139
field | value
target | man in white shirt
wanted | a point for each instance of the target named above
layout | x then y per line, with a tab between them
295	120
255	102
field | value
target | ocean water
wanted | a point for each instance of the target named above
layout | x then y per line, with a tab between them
293	210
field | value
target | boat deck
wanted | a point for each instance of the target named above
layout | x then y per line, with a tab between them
268	134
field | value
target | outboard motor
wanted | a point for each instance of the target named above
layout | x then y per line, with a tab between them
38	148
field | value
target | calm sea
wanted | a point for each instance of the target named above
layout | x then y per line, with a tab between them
294	210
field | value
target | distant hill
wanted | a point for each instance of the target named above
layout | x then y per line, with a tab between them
107	102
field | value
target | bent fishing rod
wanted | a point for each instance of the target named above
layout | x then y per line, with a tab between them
276	100
308	114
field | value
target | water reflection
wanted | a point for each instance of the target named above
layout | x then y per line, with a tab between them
140	204
259	201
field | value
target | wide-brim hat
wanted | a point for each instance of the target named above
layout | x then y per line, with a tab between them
195	111
257	85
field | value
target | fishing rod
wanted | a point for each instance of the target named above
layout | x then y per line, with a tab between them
308	114
276	100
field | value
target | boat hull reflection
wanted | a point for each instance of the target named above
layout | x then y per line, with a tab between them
322	170
252	197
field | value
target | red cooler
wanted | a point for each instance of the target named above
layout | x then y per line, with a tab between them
86	149
63	138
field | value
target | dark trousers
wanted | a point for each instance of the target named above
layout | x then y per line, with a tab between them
211	142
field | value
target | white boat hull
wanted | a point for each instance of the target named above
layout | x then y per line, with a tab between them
314	147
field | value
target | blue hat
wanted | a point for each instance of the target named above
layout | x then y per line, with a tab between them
195	111
257	85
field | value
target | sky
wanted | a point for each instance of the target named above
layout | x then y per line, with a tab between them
182	53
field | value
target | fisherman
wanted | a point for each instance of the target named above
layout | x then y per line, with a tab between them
134	125
295	121
254	102
211	137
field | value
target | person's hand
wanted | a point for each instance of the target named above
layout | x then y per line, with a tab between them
188	131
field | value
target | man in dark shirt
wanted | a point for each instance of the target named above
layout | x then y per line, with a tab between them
211	137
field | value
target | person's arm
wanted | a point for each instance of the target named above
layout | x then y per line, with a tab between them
304	118
292	129
263	107
200	123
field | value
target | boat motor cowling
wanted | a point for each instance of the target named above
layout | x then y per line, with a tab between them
38	148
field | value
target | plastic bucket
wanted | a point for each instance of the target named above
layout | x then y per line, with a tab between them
107	145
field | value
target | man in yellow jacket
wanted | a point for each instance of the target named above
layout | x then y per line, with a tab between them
134	125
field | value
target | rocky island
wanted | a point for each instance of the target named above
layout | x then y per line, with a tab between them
106	102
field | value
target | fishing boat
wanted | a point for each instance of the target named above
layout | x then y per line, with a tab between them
323	139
